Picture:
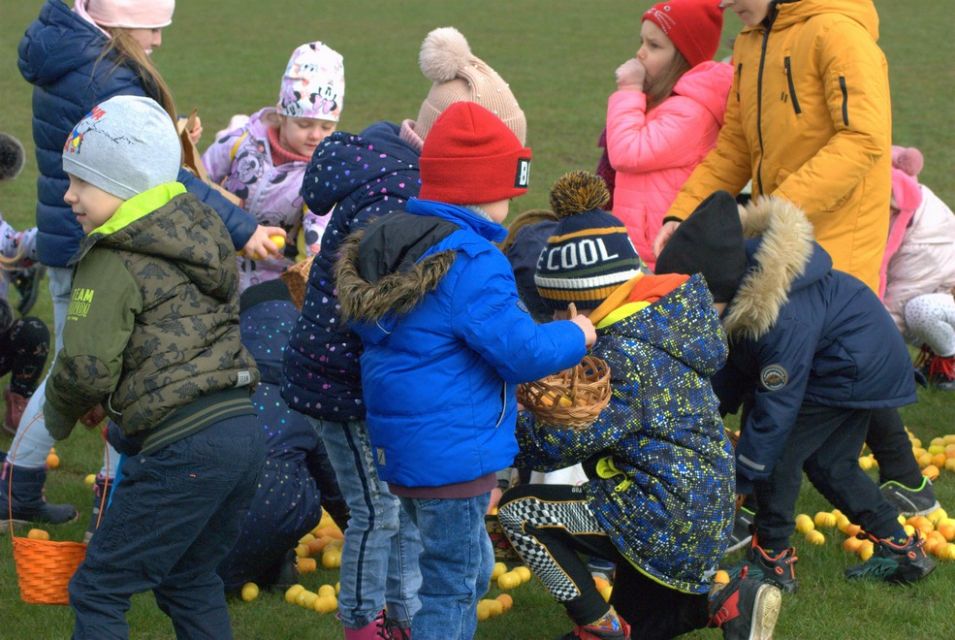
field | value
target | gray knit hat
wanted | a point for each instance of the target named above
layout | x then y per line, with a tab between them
124	146
11	157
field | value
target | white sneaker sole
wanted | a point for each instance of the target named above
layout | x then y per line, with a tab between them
765	612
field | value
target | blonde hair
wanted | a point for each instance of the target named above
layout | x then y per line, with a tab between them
662	87
130	53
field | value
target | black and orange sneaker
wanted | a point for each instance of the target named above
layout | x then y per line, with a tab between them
894	563
778	569
618	630
746	608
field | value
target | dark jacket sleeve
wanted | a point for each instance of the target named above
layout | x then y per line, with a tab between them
240	223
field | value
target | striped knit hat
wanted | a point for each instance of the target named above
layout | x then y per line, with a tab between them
590	253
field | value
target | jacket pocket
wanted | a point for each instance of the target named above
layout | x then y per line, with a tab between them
845	100
787	61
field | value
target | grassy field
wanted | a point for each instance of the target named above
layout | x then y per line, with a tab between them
559	57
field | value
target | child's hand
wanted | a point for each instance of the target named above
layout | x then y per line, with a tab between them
196	131
590	334
94	416
261	246
631	75
666	232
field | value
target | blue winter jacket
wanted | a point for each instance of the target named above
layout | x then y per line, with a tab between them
446	341
362	176
58	56
801	333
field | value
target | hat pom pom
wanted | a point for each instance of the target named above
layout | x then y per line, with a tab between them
576	192
444	53
908	159
11	157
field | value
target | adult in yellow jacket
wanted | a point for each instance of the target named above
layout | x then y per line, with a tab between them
809	120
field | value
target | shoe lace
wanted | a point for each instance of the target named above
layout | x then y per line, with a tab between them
391	630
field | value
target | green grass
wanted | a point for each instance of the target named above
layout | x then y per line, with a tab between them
559	57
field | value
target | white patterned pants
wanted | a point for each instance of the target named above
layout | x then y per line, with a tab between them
930	320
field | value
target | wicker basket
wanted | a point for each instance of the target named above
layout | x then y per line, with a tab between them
45	567
296	279
572	398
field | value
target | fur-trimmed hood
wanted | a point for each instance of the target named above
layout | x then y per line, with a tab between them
782	257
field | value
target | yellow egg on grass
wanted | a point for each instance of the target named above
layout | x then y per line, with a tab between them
306	565
937	516
950	464
508	581
721	577
815	537
499	569
483	612
38	534
494	607
291	594
250	591
325	604
865	462
338	587
524	573
326	590
866	549
804	523
301	550
506	601
90	479
52	461
824	519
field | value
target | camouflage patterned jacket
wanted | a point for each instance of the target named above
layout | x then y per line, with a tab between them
152	331
660	468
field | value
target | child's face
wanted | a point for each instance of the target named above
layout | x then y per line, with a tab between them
656	51
302	135
148	39
751	12
91	205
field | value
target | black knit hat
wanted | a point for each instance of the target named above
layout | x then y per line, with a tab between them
11	157
709	242
589	254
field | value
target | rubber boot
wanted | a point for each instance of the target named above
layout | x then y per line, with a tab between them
29	504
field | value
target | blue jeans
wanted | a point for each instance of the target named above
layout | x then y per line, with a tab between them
380	555
456	565
175	515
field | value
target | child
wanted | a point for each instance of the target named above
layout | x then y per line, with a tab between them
152	335
24	342
445	341
364	176
815	353
919	269
808	120
659	500
75	60
263	161
297	479
666	113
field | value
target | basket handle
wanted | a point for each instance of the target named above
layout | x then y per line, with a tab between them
572	311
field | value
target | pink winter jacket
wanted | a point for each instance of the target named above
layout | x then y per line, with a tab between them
920	253
654	153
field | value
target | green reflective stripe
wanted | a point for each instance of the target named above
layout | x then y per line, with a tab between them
140	205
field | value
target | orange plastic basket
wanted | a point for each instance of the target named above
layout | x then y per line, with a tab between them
45	567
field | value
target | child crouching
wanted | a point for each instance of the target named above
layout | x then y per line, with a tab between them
659	501
152	337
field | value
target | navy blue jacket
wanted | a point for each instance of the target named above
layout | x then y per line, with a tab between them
801	333
363	176
446	342
58	56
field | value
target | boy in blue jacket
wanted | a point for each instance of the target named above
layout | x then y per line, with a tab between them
813	354
446	341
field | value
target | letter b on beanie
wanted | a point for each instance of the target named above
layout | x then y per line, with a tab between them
124	146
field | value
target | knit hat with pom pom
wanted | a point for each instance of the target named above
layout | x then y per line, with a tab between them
907	159
458	75
11	157
590	253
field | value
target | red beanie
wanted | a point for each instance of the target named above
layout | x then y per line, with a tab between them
471	157
694	26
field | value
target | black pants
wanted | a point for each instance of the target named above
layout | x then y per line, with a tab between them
549	525
825	442
892	449
23	351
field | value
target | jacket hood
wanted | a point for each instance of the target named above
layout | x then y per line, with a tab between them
185	232
697	340
862	11
708	83
782	257
58	42
347	153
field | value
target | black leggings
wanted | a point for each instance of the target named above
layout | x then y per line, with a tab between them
23	351
892	449
549	525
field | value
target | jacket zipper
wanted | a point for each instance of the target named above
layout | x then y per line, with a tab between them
500	418
792	85
845	100
759	107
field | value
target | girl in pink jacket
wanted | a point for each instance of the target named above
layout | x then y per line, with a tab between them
262	158
918	270
666	113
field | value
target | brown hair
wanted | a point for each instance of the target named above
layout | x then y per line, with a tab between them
661	88
130	53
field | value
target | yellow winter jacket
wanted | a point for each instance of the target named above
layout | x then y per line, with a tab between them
809	119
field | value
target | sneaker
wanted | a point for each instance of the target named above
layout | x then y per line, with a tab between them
920	501
897	564
745	609
619	631
778	570
27	283
940	370
742	530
